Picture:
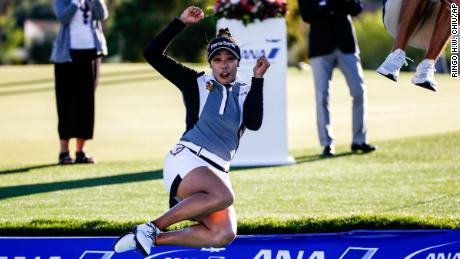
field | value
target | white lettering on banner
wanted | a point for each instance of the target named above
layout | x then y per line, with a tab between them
443	256
286	254
264	254
212	249
429	248
366	252
317	255
95	254
283	254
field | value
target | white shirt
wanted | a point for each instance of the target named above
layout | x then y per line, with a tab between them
81	35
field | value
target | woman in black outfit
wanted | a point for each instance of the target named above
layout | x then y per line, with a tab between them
76	54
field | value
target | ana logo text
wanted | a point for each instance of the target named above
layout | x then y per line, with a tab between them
256	53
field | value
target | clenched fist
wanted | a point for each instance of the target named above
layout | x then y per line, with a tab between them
261	67
192	15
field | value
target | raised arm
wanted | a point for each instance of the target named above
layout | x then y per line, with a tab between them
154	53
254	105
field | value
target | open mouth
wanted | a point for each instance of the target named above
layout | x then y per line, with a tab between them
224	75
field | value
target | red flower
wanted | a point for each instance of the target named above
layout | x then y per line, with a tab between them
250	10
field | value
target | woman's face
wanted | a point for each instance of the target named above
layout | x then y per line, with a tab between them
224	66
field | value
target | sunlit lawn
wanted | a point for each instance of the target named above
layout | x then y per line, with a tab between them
414	174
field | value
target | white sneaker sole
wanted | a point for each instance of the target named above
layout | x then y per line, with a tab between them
144	251
387	74
124	243
425	84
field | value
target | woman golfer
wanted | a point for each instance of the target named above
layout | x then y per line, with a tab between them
219	107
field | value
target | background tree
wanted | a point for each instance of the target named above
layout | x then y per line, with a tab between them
132	23
10	35
135	22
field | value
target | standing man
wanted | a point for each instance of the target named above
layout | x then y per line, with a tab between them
332	42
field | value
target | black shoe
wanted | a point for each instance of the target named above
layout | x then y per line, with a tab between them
65	159
82	158
328	151
365	147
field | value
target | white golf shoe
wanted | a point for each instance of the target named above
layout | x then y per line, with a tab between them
392	64
424	76
145	235
125	242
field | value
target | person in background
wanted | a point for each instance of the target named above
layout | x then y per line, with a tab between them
409	18
332	43
219	108
76	56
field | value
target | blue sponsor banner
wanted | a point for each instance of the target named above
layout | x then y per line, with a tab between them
415	244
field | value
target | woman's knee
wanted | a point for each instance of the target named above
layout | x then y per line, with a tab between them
222	238
223	198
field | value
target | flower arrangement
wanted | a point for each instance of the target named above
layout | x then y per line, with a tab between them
249	10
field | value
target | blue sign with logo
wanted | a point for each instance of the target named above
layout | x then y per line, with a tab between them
253	50
405	244
254	54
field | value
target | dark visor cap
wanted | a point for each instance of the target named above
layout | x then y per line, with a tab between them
223	43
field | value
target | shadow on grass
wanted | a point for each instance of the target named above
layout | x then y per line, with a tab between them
26	169
313	158
51	79
102	83
28	189
300	160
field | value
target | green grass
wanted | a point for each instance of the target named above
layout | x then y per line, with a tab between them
410	182
139	116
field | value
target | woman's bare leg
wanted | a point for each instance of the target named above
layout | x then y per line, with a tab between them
409	18
441	33
202	192
80	144
424	75
64	145
217	229
205	198
410	15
